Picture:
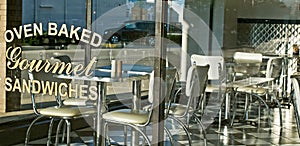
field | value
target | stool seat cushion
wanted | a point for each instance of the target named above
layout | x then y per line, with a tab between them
67	111
175	109
75	101
127	116
178	109
255	90
211	88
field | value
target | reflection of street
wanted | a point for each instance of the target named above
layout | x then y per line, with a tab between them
76	53
131	53
143	46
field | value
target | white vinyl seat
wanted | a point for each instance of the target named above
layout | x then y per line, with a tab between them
66	111
128	116
256	90
76	101
179	109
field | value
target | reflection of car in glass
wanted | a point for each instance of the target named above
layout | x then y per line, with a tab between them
133	30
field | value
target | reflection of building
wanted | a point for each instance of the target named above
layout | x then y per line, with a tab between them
138	13
141	11
68	12
146	11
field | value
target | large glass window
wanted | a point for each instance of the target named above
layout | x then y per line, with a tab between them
126	30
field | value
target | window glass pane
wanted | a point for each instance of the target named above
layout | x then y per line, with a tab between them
95	34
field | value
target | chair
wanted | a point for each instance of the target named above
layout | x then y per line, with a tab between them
246	64
193	93
296	101
70	101
249	64
274	70
215	73
215	78
142	118
60	112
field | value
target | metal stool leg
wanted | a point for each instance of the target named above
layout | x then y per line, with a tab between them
64	132
279	108
296	115
105	134
169	135
68	132
57	131
125	135
184	128
267	108
203	129
50	132
259	110
142	133
234	106
29	129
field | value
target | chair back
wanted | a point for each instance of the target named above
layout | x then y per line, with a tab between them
296	95
296	102
168	85
45	77
247	64
168	90
196	82
274	68
216	64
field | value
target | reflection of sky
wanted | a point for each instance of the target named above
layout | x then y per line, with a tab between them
289	3
180	2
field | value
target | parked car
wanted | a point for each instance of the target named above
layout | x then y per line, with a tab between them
134	30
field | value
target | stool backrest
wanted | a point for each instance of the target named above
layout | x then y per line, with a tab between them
44	77
167	85
296	102
216	64
195	84
168	90
274	68
246	63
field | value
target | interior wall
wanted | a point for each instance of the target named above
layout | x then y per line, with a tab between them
255	9
268	9
217	25
230	23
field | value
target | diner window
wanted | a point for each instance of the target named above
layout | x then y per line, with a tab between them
191	26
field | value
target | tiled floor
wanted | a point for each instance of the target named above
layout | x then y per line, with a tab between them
239	134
